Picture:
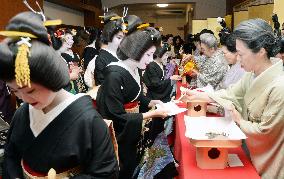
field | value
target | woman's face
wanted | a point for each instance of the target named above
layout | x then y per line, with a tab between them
117	38
247	58
208	52
229	56
165	58
68	40
146	58
37	95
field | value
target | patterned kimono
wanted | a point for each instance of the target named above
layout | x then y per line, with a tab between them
212	70
260	100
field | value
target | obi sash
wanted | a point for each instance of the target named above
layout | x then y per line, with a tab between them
31	174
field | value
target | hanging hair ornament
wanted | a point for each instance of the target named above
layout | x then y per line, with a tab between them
124	25
152	37
105	11
31	9
22	69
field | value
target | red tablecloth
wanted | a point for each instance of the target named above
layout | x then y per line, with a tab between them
185	154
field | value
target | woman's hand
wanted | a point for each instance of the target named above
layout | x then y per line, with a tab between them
157	113
191	95
154	102
175	77
235	115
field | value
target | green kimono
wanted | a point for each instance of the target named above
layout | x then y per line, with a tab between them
260	100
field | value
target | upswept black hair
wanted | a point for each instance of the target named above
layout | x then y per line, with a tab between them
46	66
111	27
133	22
137	43
160	51
229	40
257	34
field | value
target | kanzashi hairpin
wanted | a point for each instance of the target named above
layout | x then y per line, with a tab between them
36	12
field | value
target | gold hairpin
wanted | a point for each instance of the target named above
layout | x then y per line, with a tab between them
115	18
52	22
17	34
142	26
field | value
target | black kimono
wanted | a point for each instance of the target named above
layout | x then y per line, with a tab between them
78	136
120	88
103	59
158	87
88	54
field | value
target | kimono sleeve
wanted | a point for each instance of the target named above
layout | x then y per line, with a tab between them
99	68
103	163
232	95
12	156
153	81
271	120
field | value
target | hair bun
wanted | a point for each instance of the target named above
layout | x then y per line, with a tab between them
133	22
31	23
154	34
108	17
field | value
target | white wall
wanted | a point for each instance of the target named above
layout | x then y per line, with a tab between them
203	8
67	15
169	23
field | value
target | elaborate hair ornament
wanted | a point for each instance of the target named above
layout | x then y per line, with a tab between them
52	22
124	25
143	26
22	68
17	34
105	11
36	12
115	18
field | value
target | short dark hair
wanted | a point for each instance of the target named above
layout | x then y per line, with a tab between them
46	66
111	27
257	34
229	40
137	43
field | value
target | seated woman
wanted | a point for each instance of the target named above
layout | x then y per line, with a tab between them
53	128
212	66
235	72
158	87
119	95
256	102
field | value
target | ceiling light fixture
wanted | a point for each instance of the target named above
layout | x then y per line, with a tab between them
162	5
